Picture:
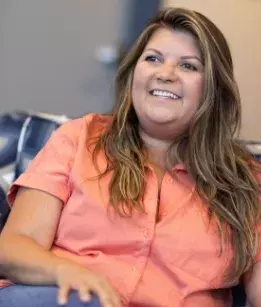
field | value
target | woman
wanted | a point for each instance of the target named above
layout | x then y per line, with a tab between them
154	205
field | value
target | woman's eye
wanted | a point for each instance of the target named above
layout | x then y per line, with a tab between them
152	58
189	66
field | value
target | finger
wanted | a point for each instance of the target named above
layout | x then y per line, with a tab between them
63	293
84	293
114	295
107	296
117	301
105	299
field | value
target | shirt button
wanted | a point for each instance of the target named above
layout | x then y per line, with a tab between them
163	214
169	180
123	301
146	233
134	269
143	250
137	253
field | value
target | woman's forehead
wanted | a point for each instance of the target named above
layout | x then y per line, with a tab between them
171	42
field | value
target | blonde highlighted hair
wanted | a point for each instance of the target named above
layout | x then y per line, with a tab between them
220	166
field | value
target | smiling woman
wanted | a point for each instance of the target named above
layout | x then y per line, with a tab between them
159	190
167	84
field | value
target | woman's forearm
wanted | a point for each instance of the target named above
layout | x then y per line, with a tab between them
24	261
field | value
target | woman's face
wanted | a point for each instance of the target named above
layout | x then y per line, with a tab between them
167	84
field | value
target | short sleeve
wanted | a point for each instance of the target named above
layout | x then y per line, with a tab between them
50	170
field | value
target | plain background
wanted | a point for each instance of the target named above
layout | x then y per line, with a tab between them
48	53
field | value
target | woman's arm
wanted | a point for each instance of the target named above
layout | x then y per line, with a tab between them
25	255
28	236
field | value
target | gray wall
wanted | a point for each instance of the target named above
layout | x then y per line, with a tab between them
48	54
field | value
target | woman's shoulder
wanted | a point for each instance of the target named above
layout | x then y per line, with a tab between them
88	124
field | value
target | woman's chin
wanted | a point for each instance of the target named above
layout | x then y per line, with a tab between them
161	119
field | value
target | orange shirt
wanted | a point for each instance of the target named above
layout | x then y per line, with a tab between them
173	262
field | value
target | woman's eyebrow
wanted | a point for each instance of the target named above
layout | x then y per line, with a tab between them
185	57
154	50
192	57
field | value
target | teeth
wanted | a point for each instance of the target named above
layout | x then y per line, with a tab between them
164	94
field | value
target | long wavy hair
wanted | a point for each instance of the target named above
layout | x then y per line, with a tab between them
221	167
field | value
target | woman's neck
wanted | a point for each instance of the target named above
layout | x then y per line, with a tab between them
157	150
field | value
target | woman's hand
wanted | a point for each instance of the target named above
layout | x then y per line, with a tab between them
74	277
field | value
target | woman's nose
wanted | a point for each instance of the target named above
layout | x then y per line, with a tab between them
167	73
